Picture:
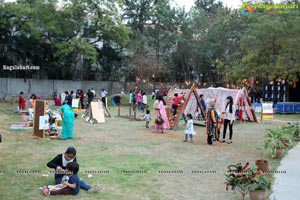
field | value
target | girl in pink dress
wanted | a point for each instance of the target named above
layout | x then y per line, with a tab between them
161	112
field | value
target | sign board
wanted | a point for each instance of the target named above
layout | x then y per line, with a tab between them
75	103
267	111
44	122
39	110
62	97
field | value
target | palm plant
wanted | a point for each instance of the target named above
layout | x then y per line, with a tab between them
273	141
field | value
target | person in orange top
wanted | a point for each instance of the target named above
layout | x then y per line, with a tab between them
211	121
22	101
32	100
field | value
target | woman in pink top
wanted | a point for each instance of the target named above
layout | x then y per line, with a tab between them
161	111
139	99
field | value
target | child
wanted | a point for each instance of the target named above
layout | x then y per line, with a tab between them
189	131
176	101
32	100
22	101
53	131
70	186
59	164
147	117
220	123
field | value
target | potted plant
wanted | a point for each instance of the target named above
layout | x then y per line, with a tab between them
294	129
262	165
247	180
259	185
287	135
273	142
236	178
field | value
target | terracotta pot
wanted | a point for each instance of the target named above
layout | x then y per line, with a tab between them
258	194
262	165
285	142
296	138
278	153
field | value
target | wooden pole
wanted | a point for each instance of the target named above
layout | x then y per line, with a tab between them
134	111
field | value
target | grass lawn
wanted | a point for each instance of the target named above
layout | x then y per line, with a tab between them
128	160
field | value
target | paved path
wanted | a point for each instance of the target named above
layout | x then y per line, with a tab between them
287	185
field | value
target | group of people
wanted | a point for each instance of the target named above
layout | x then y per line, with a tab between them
213	122
91	94
213	119
139	98
22	101
66	175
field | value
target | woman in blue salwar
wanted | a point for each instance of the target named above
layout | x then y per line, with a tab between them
68	122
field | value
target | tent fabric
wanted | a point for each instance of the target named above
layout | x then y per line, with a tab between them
220	94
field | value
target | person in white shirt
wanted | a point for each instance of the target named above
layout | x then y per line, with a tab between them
103	96
147	118
189	131
229	117
144	102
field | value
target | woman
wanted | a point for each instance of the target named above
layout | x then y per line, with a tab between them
229	117
139	100
59	164
155	105
56	99
161	112
81	94
68	122
211	122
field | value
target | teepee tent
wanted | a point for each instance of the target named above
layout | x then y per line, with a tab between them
241	100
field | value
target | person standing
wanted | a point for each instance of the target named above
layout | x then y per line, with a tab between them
161	112
130	97
22	101
103	96
144	107
57	101
68	122
211	122
139	100
90	96
203	105
68	99
32	100
81	94
189	131
229	117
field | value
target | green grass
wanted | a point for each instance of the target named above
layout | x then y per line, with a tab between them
121	145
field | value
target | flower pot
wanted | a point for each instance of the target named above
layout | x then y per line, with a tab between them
297	137
278	153
258	194
285	142
262	165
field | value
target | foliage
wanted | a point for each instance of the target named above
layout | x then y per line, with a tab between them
273	140
244	178
292	129
150	40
